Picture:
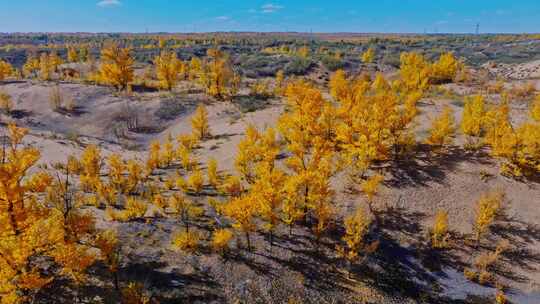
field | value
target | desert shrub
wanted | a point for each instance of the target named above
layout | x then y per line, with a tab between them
73	136
496	87
133	209
299	66
169	109
69	105
128	117
260	89
485	263
56	98
500	297
110	213
248	104
332	63
134	293
391	59
186	241
523	91
258	66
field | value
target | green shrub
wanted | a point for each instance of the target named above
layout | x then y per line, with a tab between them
299	66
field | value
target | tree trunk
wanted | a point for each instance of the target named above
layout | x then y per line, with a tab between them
271	240
248	241
116	281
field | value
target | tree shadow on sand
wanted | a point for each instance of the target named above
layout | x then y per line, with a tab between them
178	287
426	166
165	286
521	236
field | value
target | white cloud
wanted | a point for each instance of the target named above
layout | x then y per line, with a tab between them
109	3
223	18
271	8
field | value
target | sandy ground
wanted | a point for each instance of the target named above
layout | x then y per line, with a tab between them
528	70
417	188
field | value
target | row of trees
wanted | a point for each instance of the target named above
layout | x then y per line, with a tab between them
215	73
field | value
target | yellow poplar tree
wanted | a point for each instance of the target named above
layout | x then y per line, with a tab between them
368	56
134	176
91	167
199	123
116	66
519	147
339	86
221	239
184	208
535	109
370	187
357	227
446	68
46	67
442	129
32	66
279	82
269	194
5	70
488	207
167	69
242	211
472	120
195	68
55	60
308	131
255	148
219	75
414	71
30	231
154	157
72	55
213	176
6	102
84	53
439	231
375	122
117	167
303	52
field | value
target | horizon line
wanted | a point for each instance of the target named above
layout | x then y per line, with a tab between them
276	32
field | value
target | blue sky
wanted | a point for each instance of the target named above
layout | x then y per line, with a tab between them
456	16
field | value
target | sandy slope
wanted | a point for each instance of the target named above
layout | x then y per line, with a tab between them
420	186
